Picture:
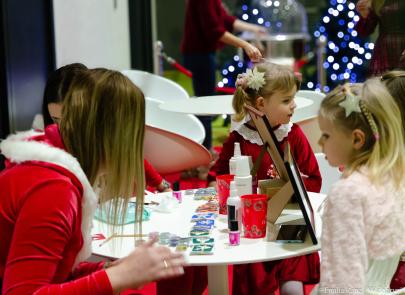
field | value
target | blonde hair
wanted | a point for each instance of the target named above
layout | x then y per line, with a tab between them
103	125
395	83
277	79
376	5
384	155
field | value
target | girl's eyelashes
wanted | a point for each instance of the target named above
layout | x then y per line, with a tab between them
325	136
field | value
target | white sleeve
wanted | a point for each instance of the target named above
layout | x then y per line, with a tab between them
344	247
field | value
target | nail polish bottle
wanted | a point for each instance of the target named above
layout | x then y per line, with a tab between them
234	233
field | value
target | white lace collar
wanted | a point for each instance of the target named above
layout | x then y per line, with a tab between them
254	137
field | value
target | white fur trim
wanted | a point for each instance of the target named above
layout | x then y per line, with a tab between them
17	149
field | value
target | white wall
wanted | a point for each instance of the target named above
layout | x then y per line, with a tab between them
94	32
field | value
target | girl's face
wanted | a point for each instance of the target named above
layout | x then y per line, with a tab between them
336	144
279	107
55	110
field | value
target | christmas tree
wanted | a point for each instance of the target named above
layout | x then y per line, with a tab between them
347	54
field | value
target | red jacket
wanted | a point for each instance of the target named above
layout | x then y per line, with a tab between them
206	21
40	225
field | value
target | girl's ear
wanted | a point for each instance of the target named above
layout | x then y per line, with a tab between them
260	103
358	139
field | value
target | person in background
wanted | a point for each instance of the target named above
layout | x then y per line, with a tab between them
388	15
361	129
207	27
271	89
47	199
56	88
395	83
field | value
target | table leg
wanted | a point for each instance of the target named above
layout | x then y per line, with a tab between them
218	280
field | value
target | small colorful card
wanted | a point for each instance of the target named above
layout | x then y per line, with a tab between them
208	207
199	233
204	241
205	194
203	216
206	222
202	249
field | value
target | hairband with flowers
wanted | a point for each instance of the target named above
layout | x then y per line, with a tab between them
252	79
353	103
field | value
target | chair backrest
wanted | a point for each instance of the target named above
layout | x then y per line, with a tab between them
156	86
184	124
311	111
329	174
171	153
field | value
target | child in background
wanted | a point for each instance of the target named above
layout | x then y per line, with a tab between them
363	231
271	89
395	83
56	88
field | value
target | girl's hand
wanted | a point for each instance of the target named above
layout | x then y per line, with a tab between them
252	52
145	264
363	8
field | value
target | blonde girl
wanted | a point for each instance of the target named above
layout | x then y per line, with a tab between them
363	232
48	201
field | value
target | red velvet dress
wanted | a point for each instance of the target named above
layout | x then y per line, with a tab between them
264	278
40	225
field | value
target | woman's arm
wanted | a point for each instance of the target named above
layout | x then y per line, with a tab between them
252	52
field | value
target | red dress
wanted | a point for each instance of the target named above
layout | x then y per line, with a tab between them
40	225
263	278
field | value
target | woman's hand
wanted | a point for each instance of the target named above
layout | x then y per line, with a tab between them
252	52
363	8
145	264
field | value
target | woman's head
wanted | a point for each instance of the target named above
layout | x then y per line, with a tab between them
270	88
361	126
56	87
103	125
395	83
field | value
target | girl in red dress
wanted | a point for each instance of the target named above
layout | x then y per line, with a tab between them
271	89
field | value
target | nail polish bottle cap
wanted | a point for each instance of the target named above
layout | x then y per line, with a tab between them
234	226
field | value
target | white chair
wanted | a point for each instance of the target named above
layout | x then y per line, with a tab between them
307	118
329	174
156	86
169	152
184	124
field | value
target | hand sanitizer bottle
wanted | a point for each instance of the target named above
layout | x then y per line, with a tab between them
243	179
232	161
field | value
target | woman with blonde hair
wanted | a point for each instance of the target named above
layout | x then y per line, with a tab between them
48	201
363	228
388	15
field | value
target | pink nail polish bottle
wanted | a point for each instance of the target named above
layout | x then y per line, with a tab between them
234	233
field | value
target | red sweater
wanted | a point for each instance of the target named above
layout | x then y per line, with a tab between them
152	177
205	23
300	149
40	225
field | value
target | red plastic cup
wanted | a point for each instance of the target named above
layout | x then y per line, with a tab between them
223	185
254	213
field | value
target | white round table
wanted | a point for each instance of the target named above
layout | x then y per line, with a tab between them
249	251
222	104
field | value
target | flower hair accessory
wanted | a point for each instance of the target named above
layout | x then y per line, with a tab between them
352	104
252	79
